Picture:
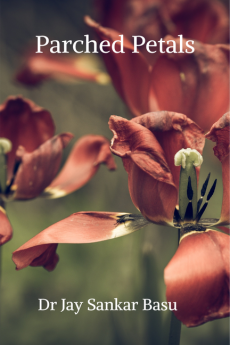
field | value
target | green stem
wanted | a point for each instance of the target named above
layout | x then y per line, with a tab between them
175	330
152	321
175	324
3	171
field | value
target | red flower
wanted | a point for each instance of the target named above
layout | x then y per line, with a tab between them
194	84
147	145
35	157
37	68
201	286
202	20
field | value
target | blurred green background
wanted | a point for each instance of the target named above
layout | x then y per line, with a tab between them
128	268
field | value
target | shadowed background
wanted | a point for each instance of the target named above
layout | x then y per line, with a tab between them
128	268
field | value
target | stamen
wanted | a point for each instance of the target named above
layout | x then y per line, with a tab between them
200	213
210	194
203	191
205	185
212	190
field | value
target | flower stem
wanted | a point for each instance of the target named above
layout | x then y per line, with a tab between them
152	320
175	330
175	324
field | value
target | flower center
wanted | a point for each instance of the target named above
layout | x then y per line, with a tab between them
5	147
190	211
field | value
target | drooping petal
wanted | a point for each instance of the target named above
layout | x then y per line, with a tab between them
38	168
149	176
83	162
25	124
81	227
195	84
197	278
220	134
173	131
39	67
129	72
5	227
147	145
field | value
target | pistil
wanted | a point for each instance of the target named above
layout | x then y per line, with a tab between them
188	159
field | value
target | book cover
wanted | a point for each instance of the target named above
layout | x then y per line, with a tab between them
97	98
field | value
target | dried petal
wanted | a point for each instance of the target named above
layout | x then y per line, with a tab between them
38	168
39	67
5	229
81	227
194	84
83	162
128	71
147	145
48	258
25	124
220	134
197	278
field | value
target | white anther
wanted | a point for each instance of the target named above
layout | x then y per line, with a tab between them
184	156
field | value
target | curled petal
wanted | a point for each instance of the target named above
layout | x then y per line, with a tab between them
38	168
48	257
197	278
195	84
147	145
173	131
25	124
127	70
149	176
39	67
5	227
81	227
83	162
220	134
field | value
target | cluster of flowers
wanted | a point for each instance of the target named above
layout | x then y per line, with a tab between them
158	90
